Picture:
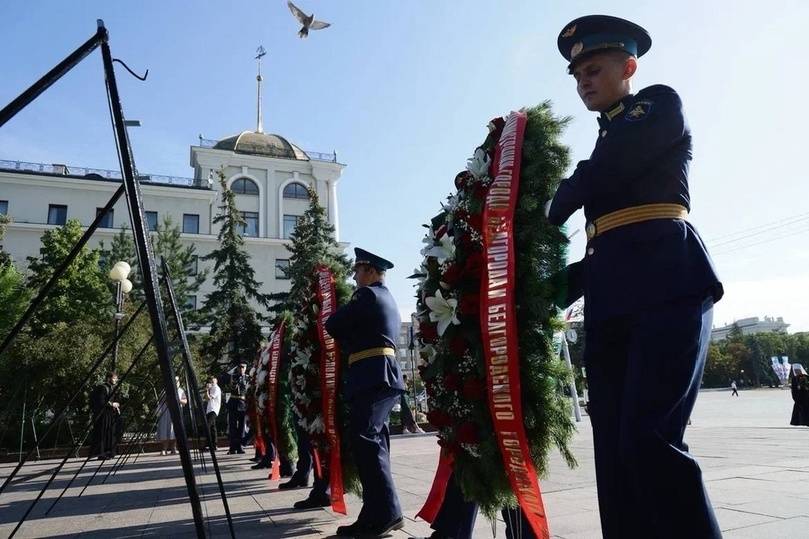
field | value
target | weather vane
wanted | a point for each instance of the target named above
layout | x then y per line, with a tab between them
260	51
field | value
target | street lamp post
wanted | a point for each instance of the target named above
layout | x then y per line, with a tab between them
118	274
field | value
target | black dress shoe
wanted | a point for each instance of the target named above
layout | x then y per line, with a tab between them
259	466
312	503
353	530
240	451
231	452
294	483
381	530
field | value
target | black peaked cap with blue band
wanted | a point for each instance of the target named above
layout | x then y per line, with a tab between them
377	262
601	32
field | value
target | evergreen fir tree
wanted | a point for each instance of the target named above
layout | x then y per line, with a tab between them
313	243
82	293
235	331
183	267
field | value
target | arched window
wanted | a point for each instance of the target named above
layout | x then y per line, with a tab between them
296	190
244	186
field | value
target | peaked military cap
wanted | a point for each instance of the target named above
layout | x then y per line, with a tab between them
377	262
599	32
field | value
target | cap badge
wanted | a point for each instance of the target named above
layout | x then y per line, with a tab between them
569	32
576	49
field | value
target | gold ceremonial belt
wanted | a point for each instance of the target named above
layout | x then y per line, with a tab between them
635	214
371	352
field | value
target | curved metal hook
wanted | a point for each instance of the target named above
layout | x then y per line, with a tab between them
130	71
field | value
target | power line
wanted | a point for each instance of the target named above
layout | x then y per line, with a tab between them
762	229
798	217
768	240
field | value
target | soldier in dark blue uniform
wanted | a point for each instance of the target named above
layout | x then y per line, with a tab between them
237	409
649	287
367	329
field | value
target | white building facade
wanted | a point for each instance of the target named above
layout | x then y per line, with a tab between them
751	326
269	175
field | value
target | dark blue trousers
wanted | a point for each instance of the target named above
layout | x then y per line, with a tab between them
304	465
456	517
370	442
644	373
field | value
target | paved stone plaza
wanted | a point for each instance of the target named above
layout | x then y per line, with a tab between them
756	467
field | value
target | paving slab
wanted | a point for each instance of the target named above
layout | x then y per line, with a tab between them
753	464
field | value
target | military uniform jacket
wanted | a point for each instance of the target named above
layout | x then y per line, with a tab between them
641	157
370	320
238	393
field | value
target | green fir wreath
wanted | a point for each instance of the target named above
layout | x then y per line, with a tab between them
453	367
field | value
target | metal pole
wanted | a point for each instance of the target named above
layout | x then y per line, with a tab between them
119	297
45	290
146	261
194	390
50	77
63	412
36	441
573	391
22	422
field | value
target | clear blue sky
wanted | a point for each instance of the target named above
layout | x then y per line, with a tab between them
403	91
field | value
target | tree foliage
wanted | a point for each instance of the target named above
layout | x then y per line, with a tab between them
235	332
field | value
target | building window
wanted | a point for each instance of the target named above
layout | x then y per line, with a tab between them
106	222
3	207
296	190
191	303
151	220
57	214
281	268
193	266
244	186
290	222
191	223
250	227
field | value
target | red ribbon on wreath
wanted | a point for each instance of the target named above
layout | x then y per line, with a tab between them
273	367
498	323
330	383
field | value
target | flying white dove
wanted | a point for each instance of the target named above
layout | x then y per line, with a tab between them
308	21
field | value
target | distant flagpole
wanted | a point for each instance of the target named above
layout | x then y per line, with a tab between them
259	119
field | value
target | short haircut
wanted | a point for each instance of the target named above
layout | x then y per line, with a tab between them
619	55
110	374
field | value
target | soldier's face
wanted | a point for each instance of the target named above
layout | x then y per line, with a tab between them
603	79
365	275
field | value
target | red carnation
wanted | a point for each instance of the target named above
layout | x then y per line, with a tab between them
451	275
452	381
467	433
428	332
439	418
457	346
469	304
473	389
479	190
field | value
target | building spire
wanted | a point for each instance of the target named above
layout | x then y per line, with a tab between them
259	119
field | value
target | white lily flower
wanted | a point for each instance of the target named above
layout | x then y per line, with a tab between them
317	425
442	311
444	251
478	165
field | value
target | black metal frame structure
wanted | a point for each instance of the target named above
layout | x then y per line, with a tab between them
146	262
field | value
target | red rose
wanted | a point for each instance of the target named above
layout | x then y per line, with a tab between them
429	388
475	220
450	447
463	179
473	265
467	433
457	346
479	190
428	332
452	381
439	418
473	389
451	275
469	304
